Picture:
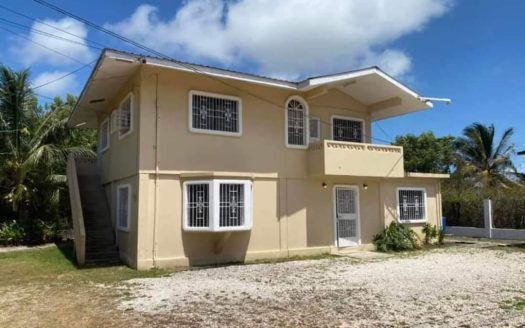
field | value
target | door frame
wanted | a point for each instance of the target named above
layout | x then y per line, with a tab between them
334	213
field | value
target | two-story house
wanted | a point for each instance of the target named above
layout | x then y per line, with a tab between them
202	165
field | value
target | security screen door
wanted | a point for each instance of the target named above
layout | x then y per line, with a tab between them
347	216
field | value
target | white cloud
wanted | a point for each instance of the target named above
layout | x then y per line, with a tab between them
60	87
29	52
290	38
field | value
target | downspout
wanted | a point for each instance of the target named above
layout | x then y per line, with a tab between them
156	182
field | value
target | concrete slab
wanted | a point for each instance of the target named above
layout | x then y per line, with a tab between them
364	255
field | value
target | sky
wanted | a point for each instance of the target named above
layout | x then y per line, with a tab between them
472	51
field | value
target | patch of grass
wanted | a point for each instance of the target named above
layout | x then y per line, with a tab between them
56	264
517	303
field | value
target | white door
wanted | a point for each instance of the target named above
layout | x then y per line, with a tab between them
346	215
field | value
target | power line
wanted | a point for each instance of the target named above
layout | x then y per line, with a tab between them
50	25
41	45
40	32
164	56
64	76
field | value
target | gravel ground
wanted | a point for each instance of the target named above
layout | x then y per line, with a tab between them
451	287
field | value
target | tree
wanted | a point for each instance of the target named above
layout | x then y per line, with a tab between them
34	149
427	153
483	158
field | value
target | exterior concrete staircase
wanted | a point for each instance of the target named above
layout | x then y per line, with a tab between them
100	245
93	231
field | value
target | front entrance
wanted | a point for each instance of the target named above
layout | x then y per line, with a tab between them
346	209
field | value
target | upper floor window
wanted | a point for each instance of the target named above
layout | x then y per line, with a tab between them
217	114
126	116
103	135
347	129
411	205
315	129
217	205
296	123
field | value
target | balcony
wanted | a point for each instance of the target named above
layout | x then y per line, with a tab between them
339	158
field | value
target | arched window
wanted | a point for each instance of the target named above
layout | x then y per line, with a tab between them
296	123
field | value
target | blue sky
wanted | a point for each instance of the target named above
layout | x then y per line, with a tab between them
471	51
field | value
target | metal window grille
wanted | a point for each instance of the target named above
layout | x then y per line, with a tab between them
231	205
125	116
345	201
198	205
315	129
104	135
296	123
347	228
411	205
347	130
123	207
215	114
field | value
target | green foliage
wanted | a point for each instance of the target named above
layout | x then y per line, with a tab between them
34	145
47	232
441	236
430	231
427	153
396	237
11	234
482	158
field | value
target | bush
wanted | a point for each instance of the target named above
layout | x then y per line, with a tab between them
430	231
47	232
11	234
396	237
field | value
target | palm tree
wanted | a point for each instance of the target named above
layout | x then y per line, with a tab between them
481	157
36	143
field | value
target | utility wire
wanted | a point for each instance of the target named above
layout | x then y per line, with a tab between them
50	25
40	32
64	76
164	56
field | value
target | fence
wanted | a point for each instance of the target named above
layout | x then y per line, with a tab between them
487	229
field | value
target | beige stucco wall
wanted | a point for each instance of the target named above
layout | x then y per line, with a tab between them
293	213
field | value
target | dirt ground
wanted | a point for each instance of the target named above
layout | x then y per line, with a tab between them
451	287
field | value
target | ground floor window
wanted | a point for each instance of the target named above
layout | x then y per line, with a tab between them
217	205
123	206
411	205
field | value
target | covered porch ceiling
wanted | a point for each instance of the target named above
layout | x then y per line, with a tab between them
384	96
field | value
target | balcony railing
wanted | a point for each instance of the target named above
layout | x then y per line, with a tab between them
329	157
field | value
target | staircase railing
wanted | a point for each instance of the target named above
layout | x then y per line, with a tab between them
76	210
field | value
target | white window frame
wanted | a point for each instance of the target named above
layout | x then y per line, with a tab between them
131	103
214	205
100	131
350	118
128	219
313	139
307	122
215	95
114	121
399	205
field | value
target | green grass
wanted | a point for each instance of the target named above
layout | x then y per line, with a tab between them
56	264
517	303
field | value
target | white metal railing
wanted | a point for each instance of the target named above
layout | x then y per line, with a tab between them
76	210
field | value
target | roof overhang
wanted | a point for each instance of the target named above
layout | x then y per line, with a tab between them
384	96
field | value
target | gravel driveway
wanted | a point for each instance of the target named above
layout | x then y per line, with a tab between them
468	287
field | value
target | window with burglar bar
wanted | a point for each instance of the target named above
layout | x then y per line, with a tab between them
125	116
217	205
412	205
344	129
214	113
296	123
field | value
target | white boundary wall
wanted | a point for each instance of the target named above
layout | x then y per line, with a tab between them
488	231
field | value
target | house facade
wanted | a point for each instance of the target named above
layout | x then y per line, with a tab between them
200	165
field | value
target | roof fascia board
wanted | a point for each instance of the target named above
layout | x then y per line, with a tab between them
215	72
